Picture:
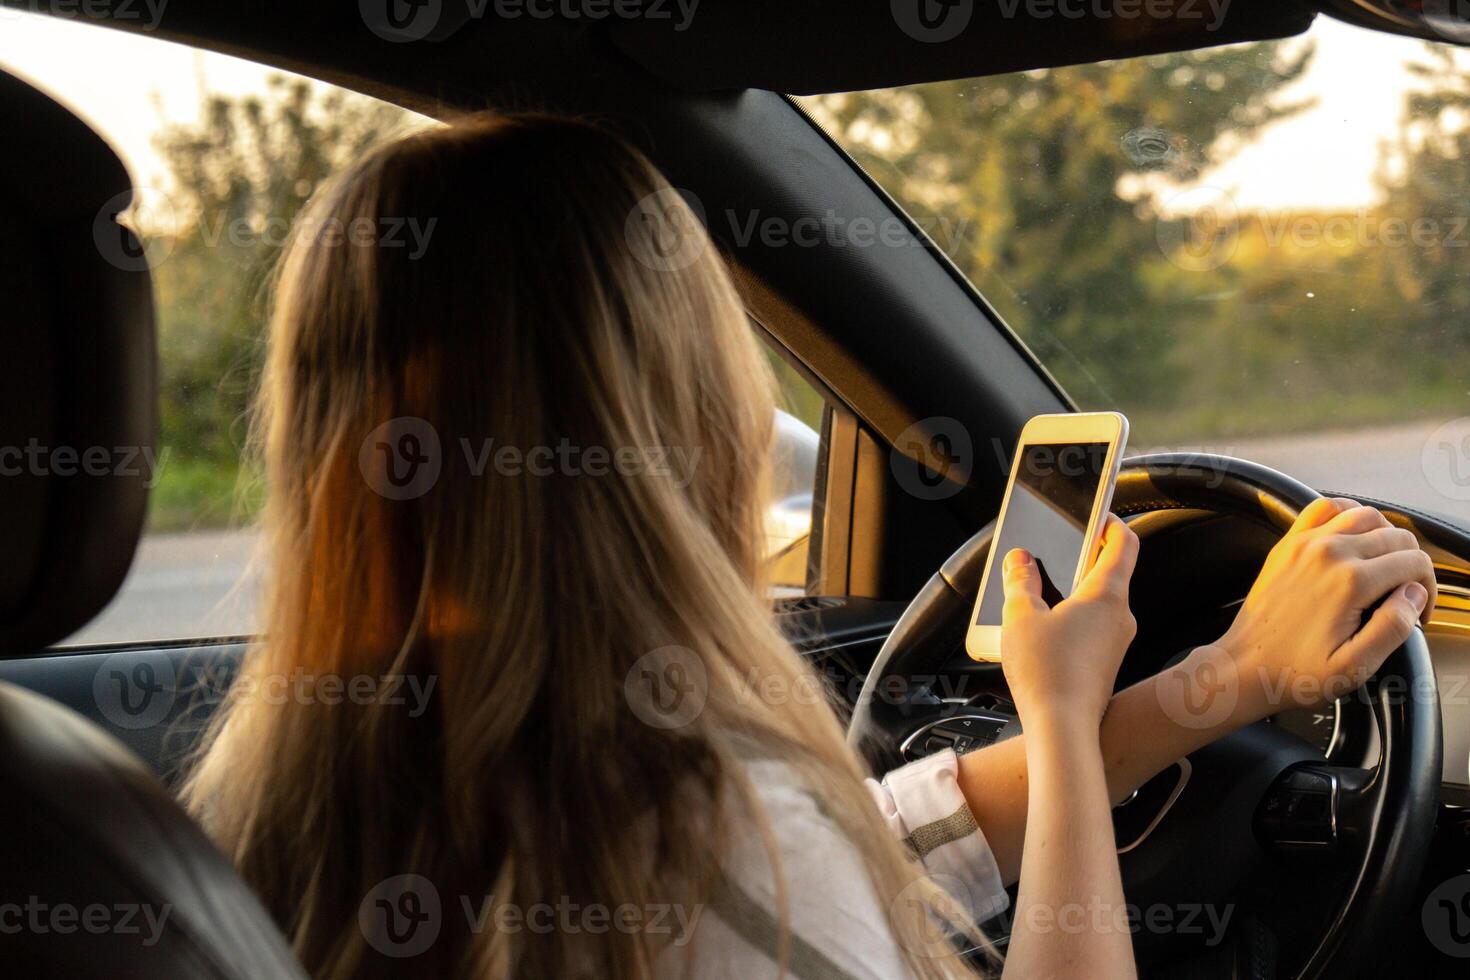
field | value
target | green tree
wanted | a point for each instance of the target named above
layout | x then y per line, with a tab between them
1043	186
1426	182
238	177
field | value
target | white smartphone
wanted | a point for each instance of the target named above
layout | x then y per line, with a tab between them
1055	507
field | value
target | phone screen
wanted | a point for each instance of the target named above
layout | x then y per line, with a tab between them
1051	502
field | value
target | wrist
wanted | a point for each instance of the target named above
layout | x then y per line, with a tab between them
1063	728
1214	688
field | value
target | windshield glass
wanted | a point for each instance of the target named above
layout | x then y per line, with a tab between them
1258	249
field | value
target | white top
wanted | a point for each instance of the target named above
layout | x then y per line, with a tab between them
839	928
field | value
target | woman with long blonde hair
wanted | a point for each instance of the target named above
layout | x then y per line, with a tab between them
515	499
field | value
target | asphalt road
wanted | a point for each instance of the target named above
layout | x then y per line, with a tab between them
201	584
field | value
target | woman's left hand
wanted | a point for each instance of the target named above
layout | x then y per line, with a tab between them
1337	594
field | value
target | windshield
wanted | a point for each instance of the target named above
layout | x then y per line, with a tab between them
1258	249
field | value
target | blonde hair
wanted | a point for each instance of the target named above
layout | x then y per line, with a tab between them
545	311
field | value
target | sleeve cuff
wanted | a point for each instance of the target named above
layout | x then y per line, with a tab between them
923	806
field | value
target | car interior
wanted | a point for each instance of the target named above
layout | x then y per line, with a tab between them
1327	833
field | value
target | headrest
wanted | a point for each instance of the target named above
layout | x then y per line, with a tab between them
77	373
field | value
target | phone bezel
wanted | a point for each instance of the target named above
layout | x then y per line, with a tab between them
982	641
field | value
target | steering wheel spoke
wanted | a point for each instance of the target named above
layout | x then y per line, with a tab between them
1316	810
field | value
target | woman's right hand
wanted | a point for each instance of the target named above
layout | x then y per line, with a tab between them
1064	660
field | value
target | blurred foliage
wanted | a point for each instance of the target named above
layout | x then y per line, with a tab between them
1078	202
238	178
794	393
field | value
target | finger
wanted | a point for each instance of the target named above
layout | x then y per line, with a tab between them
1114	566
1022	581
1379	576
1380	541
1357	520
1320	511
1388	627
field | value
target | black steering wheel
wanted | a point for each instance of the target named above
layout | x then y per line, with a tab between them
1253	822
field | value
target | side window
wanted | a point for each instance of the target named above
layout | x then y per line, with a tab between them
223	154
797	448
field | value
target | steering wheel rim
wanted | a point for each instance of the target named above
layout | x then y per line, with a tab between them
1397	802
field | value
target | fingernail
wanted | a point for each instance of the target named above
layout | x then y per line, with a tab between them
1417	595
1017	557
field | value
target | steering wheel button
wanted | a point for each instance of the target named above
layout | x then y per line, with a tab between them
936	743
